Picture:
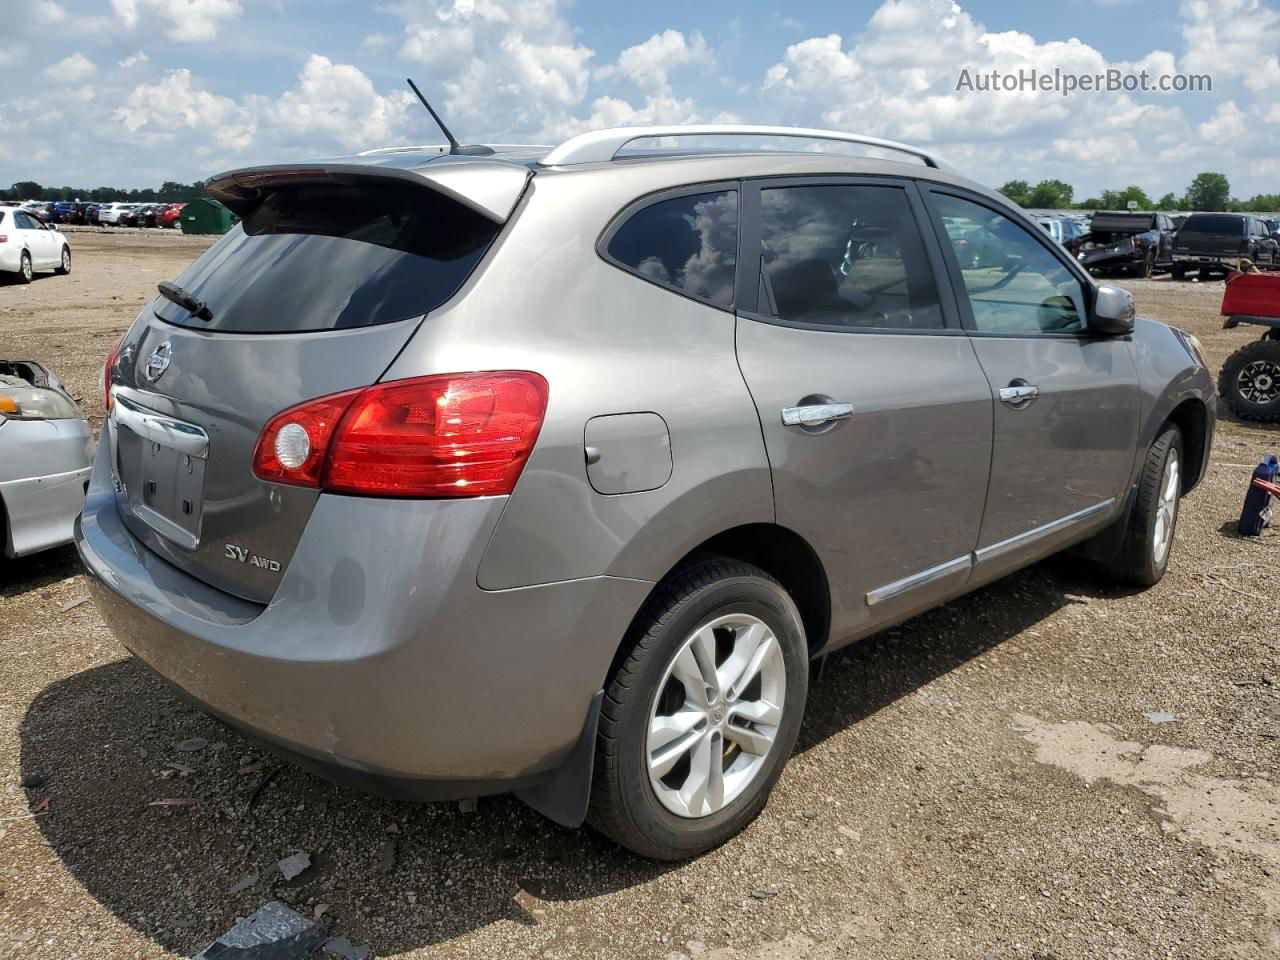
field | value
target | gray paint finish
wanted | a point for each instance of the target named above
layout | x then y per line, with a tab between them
627	453
400	637
404	668
909	467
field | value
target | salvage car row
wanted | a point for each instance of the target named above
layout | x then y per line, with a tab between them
117	214
1144	243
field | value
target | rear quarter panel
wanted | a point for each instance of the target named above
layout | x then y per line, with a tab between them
607	343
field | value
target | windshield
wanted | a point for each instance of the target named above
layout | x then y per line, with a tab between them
1214	223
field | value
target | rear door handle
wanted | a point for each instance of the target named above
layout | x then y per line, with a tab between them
815	414
1019	393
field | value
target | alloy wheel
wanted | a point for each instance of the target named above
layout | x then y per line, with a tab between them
1259	382
26	268
715	716
1166	509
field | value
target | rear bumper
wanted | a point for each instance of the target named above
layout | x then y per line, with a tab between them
10	257
1206	260
380	662
1111	258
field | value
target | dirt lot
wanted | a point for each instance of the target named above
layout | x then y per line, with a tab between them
981	782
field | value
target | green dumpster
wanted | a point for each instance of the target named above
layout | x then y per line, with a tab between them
205	216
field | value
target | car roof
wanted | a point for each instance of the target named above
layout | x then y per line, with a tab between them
491	178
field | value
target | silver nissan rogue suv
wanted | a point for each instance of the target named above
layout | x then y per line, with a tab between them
550	470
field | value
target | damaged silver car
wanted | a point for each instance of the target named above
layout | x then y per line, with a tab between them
46	446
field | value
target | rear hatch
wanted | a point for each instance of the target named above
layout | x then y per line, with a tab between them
315	292
1211	234
1113	233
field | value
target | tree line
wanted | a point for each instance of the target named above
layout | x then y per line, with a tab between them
170	192
1208	191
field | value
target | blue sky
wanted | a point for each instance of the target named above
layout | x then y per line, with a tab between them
132	92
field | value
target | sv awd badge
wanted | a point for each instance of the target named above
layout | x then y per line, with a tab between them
242	555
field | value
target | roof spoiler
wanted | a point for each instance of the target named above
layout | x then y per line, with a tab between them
489	187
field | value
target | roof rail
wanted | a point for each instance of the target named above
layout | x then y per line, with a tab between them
603	145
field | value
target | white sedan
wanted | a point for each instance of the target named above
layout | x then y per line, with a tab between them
27	245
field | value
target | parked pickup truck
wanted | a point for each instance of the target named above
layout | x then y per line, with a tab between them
1216	242
1134	242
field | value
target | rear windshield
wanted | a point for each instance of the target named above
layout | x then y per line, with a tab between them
1121	222
1213	223
334	256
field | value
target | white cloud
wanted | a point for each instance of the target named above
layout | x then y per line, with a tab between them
76	68
648	65
508	68
898	79
1233	38
333	108
183	21
47	13
374	43
178	104
133	60
335	103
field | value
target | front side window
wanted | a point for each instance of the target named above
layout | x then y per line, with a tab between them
1014	284
687	243
845	256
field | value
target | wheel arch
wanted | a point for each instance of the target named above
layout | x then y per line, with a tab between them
1191	417
784	555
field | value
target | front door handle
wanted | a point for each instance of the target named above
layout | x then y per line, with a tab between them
1019	393
815	414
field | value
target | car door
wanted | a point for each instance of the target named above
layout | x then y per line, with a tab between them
1164	251
47	242
875	413
1067	402
32	237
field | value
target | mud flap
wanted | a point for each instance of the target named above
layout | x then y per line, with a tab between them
563	796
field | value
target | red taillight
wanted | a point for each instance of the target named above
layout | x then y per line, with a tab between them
4	237
454	435
108	368
286	454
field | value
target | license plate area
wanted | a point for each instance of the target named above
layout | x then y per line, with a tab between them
161	464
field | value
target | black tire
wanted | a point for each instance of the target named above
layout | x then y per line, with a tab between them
65	266
1148	266
24	268
1139	562
1249	382
624	803
1179	273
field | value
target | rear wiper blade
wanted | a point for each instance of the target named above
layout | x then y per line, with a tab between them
175	293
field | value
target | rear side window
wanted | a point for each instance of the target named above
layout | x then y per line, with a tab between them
2	217
1214	223
687	243
847	257
335	256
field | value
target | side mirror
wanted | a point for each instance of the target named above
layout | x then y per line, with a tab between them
1113	312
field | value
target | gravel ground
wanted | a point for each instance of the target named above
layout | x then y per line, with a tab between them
983	781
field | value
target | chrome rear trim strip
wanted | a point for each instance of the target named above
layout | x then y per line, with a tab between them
891	590
1045	529
156	427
